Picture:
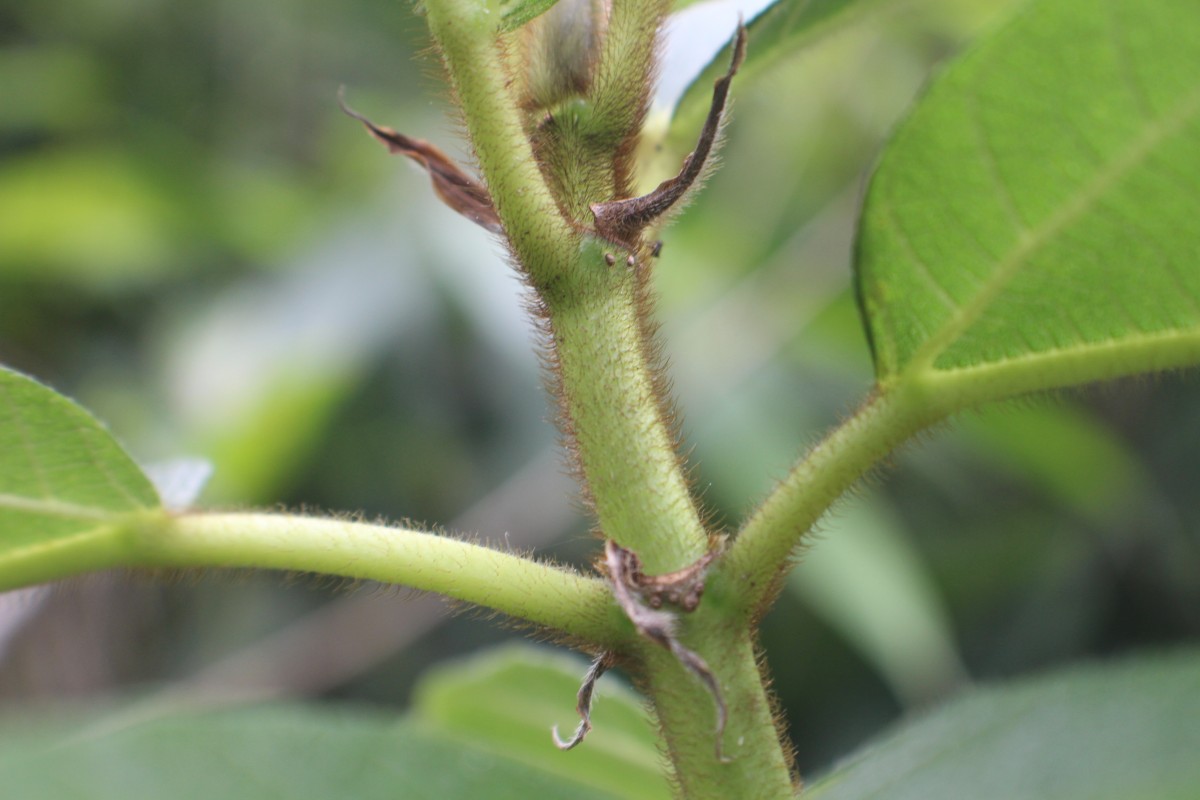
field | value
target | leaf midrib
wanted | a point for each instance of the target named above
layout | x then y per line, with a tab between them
1057	367
1031	240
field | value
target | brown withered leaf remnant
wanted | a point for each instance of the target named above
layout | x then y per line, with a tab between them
622	221
583	702
624	571
630	587
683	588
456	189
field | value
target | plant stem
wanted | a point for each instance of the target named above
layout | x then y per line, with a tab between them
595	306
612	408
762	552
625	444
963	387
620	88
520	587
755	765
536	230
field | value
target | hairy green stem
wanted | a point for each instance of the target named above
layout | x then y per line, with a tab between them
466	31
595	305
913	400
517	586
614	415
626	448
621	87
754	764
970	386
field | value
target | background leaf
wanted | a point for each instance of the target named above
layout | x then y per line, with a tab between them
62	476
776	30
1030	226
1065	452
507	701
1123	730
83	215
865	579
295	752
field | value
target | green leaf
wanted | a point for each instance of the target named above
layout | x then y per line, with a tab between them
255	753
64	481
507	702
1032	224
1117	731
521	12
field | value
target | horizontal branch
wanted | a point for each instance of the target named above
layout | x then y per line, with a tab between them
519	587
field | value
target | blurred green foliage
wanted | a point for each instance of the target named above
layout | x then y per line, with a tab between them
199	247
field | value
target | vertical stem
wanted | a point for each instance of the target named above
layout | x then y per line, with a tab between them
626	447
594	302
621	85
595	310
755	764
466	32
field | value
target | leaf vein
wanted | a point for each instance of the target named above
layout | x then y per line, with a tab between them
991	163
1125	61
926	272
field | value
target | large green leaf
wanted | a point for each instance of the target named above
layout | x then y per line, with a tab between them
507	702
256	753
1129	730
63	481
1032	224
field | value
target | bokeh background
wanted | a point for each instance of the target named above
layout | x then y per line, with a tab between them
200	248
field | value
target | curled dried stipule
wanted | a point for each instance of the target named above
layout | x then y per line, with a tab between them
624	220
659	627
583	703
